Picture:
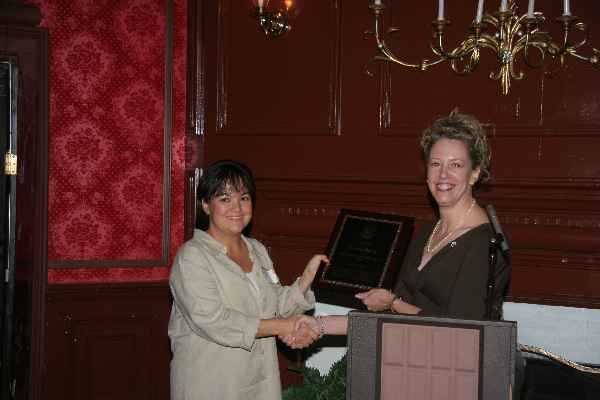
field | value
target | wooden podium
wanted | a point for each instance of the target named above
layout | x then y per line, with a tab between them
401	357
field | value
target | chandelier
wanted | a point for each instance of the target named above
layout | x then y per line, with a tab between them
504	32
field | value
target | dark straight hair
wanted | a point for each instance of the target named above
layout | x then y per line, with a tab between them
215	180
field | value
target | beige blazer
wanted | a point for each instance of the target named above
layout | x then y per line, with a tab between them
214	320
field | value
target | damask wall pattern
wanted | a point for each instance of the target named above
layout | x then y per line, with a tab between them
107	82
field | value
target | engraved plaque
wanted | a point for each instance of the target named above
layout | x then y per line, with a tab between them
365	251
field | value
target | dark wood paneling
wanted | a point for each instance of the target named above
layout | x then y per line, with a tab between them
15	13
108	342
544	135
245	68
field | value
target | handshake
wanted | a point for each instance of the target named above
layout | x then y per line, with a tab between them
301	331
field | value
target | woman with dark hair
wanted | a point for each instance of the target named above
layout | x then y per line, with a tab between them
228	304
445	271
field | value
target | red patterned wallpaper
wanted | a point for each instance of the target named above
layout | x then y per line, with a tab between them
107	75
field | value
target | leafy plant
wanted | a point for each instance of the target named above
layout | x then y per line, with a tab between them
331	386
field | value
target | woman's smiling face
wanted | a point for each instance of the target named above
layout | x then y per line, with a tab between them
450	173
229	211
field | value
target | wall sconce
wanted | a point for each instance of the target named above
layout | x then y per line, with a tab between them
273	23
504	32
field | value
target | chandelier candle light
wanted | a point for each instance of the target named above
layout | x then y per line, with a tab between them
273	23
504	32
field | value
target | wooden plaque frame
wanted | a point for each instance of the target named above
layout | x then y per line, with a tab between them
366	251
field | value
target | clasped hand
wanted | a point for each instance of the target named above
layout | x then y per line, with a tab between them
301	332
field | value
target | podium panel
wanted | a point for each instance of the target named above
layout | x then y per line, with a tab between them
398	357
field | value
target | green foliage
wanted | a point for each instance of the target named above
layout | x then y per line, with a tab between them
317	387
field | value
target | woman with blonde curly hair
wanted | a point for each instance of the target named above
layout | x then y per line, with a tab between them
445	271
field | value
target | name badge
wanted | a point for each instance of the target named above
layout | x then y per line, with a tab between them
272	276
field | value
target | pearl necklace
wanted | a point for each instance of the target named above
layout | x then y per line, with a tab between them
443	240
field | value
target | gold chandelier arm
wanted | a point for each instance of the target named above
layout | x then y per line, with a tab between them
515	75
584	29
504	74
572	23
519	45
565	48
507	54
437	43
386	54
535	40
491	20
471	48
594	59
572	50
438	48
464	69
490	42
515	26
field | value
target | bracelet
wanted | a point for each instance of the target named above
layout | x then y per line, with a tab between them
391	306
321	326
392	309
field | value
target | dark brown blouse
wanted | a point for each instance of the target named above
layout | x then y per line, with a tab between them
454	282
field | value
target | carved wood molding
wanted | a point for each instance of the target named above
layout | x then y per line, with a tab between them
189	204
539	131
66	294
537	206
290	243
524	229
566	218
558	259
494	131
196	71
554	186
330	207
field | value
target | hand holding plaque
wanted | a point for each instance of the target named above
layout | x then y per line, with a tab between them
311	269
377	299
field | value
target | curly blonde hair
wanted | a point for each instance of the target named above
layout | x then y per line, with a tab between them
467	129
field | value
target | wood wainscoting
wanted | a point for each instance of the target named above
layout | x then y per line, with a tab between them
108	342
